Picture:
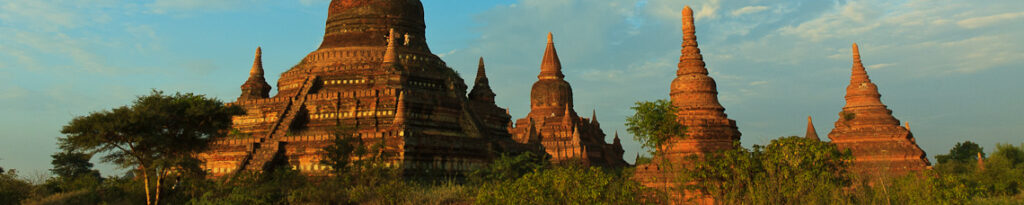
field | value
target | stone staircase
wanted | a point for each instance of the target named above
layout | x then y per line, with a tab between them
265	150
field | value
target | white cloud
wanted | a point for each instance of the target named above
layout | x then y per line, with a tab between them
983	21
749	10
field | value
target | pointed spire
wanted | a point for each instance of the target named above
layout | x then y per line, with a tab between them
256	86
907	125
390	57
482	88
811	132
551	66
400	109
481	72
981	162
861	91
691	61
593	117
257	64
616	140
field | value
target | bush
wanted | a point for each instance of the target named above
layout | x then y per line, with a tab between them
563	185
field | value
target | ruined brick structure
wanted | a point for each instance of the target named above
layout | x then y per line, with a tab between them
879	144
373	77
554	123
708	128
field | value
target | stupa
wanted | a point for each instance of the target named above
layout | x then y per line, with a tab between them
553	122
879	144
708	128
373	77
811	132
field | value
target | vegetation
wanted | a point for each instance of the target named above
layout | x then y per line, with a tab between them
157	134
157	137
654	123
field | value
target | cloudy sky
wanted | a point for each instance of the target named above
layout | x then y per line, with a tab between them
949	67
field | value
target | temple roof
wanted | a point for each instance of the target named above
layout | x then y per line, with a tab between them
551	94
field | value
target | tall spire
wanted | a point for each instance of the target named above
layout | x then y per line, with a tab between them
257	64
481	72
551	66
811	132
616	140
861	91
481	88
256	86
390	57
691	61
593	117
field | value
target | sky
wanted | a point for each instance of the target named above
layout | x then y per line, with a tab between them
949	67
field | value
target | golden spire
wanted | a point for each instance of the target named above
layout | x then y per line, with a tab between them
551	66
257	64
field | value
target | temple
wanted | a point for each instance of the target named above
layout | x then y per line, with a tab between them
375	78
552	122
811	132
695	96
867	128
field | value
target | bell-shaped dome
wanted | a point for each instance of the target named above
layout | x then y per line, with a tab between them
367	22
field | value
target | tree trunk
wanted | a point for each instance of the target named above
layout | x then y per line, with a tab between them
145	182
159	179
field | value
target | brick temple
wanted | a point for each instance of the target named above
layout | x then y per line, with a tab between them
867	128
373	77
708	128
554	123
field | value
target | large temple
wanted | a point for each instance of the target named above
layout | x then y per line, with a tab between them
708	128
554	123
373	77
867	128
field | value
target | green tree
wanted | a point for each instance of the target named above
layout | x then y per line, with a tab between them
789	170
654	123
1003	174
510	167
157	136
12	189
72	164
962	152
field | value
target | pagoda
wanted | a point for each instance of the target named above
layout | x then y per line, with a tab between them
867	128
811	132
553	122
695	96
375	78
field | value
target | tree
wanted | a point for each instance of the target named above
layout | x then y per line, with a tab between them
71	165
962	152
12	189
654	123
158	135
510	167
789	170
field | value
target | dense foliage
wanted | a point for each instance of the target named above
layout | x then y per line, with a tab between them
158	134
790	170
654	123
564	185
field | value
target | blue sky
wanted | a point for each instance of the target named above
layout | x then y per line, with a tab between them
949	67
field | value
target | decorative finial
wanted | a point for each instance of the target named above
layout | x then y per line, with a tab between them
907	125
551	38
257	65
